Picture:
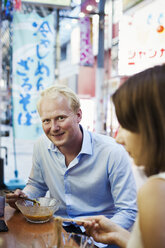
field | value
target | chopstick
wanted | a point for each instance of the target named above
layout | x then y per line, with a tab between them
71	220
28	199
23	197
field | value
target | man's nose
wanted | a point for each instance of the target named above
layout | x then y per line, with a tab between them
54	125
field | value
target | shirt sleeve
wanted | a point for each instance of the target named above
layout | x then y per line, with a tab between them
123	188
36	186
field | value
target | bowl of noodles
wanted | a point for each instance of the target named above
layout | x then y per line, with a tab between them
41	211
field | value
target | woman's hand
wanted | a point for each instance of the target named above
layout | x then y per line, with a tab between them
105	231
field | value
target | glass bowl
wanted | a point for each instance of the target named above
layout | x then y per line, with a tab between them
38	213
74	240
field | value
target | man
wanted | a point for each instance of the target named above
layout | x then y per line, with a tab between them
89	173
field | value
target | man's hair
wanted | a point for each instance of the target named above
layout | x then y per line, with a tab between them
53	92
140	108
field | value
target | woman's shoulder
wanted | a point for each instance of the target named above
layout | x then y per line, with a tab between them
154	186
151	202
151	197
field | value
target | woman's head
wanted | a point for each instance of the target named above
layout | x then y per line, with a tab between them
140	108
55	90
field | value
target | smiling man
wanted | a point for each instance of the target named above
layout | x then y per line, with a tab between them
88	172
61	123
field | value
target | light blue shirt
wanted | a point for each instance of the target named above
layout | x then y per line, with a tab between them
99	181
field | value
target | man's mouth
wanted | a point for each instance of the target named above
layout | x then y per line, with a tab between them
58	135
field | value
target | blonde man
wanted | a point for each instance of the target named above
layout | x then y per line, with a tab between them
88	172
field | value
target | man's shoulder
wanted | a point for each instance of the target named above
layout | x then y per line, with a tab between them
102	138
105	142
101	142
42	140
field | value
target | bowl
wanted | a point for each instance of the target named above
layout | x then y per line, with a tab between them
38	213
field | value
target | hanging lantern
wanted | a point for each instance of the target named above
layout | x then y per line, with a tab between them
160	29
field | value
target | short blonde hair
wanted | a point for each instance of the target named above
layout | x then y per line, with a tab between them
52	92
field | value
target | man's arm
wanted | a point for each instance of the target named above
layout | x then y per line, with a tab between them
123	188
36	186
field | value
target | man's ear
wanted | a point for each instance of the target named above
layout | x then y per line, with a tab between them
79	115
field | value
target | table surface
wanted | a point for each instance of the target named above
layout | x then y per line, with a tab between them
23	234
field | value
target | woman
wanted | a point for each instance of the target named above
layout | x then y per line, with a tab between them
140	109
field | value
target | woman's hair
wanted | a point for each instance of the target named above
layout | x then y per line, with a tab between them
140	108
53	92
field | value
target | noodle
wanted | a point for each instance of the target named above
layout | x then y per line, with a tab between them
58	230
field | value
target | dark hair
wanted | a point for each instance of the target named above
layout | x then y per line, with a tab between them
140	108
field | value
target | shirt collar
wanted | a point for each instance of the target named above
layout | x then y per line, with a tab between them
52	147
86	144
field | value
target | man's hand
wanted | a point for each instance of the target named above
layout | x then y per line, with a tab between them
11	198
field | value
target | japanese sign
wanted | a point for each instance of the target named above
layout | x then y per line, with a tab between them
142	39
86	53
33	69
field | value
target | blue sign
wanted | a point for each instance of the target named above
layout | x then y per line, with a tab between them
33	69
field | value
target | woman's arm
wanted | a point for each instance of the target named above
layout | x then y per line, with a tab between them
105	231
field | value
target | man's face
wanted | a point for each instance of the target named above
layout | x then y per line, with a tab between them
59	122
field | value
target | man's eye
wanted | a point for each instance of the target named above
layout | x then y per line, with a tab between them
45	121
60	118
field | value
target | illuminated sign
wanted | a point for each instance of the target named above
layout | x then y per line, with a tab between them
142	39
52	3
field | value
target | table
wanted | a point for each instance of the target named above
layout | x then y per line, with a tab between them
23	234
